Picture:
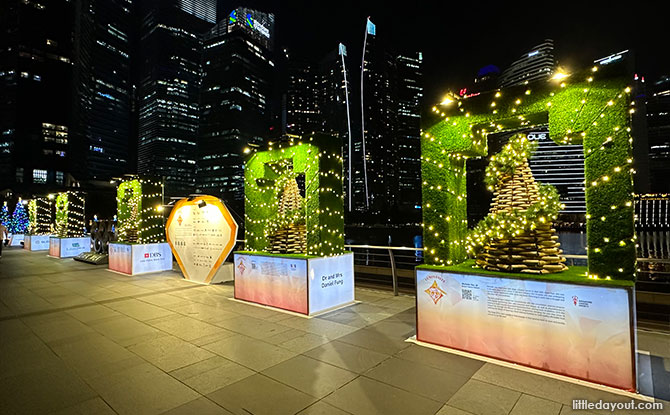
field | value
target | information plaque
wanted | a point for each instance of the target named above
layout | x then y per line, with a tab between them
577	330
201	232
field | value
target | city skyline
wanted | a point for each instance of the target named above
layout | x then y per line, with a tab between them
457	41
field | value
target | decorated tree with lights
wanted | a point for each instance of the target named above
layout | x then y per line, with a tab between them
517	235
290	233
19	222
4	216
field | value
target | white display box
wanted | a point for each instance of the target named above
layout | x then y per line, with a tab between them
36	242
306	285
581	330
68	247
16	239
134	259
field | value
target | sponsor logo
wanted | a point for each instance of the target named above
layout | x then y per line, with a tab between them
75	245
179	220
153	255
435	292
575	299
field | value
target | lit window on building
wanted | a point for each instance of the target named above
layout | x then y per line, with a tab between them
59	177
19	175
39	176
54	133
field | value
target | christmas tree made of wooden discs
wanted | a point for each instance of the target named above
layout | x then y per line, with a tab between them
531	248
290	237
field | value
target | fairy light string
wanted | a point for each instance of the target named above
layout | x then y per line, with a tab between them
318	158
592	108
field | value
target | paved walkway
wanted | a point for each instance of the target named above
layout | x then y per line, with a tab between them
78	339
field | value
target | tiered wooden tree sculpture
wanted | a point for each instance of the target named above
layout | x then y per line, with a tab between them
291	237
530	243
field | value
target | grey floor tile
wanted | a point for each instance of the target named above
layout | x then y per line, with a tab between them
484	399
532	405
314	377
24	355
200	406
94	406
92	313
43	390
450	362
542	386
142	389
125	330
260	395
567	410
89	353
436	384
305	342
249	352
139	310
347	356
322	408
450	410
170	353
184	327
367	396
56	326
319	326
253	327
211	374
376	341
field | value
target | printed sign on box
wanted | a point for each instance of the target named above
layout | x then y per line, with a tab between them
36	242
305	286
575	330
275	281
331	282
133	259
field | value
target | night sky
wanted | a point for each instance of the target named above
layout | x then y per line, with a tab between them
458	38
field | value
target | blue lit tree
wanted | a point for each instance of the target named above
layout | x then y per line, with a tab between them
19	222
4	216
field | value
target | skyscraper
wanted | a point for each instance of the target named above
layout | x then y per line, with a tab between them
377	128
35	94
236	100
101	127
658	133
538	63
303	98
169	89
407	164
386	180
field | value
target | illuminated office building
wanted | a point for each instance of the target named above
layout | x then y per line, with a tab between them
658	134
303	98
101	127
35	94
536	64
171	39
387	154
235	100
407	165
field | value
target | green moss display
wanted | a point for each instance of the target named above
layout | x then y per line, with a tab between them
70	214
319	159
575	274
591	108
139	207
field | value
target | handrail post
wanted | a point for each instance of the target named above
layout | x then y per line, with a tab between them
394	275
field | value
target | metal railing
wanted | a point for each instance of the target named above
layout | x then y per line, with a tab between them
378	259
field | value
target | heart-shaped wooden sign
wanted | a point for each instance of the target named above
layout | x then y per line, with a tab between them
201	233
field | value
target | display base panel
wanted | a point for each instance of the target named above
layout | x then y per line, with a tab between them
583	331
305	285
